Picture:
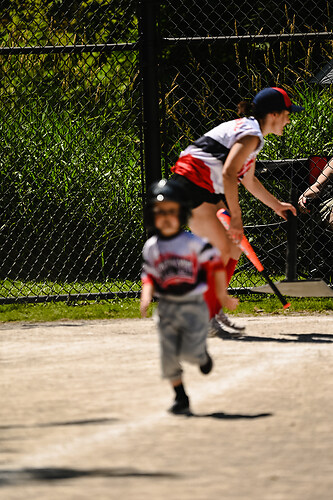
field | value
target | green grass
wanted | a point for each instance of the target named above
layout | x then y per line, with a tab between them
258	304
55	311
129	308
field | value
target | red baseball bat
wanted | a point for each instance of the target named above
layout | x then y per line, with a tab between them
224	217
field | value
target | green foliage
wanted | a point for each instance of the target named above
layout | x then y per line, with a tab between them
59	22
70	163
73	187
309	132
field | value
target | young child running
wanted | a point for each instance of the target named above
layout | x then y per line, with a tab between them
175	267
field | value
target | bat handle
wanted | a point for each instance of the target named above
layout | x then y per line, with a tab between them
224	217
276	290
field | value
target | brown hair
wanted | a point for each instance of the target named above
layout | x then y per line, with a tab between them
248	108
245	108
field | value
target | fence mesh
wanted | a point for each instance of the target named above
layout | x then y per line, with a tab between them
71	121
215	56
70	159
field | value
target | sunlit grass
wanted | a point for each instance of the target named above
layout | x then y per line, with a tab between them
129	308
72	309
83	310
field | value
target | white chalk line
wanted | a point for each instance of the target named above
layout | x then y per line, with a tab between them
208	389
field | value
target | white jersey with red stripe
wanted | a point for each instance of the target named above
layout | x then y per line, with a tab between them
178	266
202	161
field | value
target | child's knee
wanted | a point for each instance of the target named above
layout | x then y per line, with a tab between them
171	368
195	358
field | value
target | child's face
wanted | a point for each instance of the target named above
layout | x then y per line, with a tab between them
166	216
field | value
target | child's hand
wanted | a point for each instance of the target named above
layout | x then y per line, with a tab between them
230	303
144	308
145	298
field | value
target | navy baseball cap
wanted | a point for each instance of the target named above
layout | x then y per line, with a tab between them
273	99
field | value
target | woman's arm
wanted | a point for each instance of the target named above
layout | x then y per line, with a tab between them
235	160
315	189
255	187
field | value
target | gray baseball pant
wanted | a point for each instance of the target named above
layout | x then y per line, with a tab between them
183	328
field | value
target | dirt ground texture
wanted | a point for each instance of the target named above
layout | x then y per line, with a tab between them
83	413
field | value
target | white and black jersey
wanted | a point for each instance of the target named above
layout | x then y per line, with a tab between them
202	161
178	266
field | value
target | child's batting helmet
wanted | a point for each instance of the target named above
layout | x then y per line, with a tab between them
166	190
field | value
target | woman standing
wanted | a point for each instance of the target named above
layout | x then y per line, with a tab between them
211	168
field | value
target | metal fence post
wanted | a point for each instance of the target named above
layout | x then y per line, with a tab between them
291	255
149	47
291	258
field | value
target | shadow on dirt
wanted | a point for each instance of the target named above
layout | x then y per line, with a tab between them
228	416
32	326
96	421
315	338
19	476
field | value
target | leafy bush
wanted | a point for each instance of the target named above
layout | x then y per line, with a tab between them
310	132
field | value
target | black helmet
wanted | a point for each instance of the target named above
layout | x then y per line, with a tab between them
166	190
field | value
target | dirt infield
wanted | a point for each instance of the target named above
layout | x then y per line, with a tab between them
83	414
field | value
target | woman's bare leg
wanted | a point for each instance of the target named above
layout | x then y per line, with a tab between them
204	223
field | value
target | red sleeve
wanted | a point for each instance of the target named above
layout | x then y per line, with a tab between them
147	279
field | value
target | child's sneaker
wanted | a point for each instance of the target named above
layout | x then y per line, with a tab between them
207	367
180	407
218	329
226	323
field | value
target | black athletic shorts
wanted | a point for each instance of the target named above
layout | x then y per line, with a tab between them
198	195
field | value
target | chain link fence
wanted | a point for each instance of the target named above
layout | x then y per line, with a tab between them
215	56
71	150
98	98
